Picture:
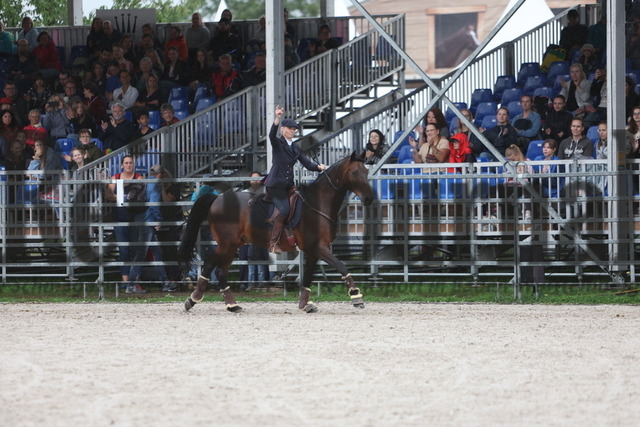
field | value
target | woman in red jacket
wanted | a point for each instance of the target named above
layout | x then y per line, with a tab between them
47	56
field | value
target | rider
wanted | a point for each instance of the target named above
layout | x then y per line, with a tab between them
280	178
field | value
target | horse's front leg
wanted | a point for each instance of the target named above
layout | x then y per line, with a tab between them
354	293
305	287
221	265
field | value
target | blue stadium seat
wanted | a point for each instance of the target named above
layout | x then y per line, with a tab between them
397	135
406	153
485	109
98	143
78	51
533	83
557	85
449	114
514	108
544	91
450	187
303	47
592	133
154	118
502	83
179	92
386	189
513	94
204	103
556	68
128	115
201	92
179	104
535	149
453	125
528	69
489	122
635	76
27	194
181	114
478	96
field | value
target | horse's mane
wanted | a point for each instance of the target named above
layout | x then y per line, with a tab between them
329	172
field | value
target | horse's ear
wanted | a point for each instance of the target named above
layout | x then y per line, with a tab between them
354	156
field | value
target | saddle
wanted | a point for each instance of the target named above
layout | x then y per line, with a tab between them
294	195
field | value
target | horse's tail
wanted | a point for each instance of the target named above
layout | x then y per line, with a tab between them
199	213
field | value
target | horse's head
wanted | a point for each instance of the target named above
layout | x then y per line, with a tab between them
355	176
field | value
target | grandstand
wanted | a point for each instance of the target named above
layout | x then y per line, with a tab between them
425	224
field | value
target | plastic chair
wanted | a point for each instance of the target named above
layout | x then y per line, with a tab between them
533	83
449	114
78	51
502	83
489	122
181	114
154	118
535	149
26	194
485	109
303	47
513	94
406	153
178	104
453	125
514	108
635	76
544	91
478	96
449	187
204	103
128	115
556	68
98	143
592	134
64	145
397	135
179	92
528	69
386	189
557	85
201	92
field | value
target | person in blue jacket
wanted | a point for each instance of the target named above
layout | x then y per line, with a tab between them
280	178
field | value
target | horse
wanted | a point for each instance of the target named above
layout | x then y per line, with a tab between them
230	220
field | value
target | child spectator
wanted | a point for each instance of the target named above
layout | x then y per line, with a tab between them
143	124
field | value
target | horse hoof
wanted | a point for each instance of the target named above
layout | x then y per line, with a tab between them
188	304
310	308
359	305
234	308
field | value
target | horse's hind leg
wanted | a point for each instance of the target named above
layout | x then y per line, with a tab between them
215	261
305	287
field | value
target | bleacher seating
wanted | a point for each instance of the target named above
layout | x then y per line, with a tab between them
544	91
489	122
406	153
404	142
502	83
181	114
557	85
179	93
556	68
204	103
535	149
509	95
449	114
514	108
592	133
485	109
533	83
154	118
528	69
478	96
179	104
635	76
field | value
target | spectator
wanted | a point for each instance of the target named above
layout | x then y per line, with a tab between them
514	155
325	42
223	76
576	146
549	185
601	146
375	148
118	132
431	146
291	57
6	42
631	99
558	122
257	41
34	131
58	118
198	35
224	42
256	74
82	119
589	59
156	62
112	80
527	124
71	92
44	159
145	234
502	135
150	97
47	56
28	33
289	29
577	91
61	81
97	77
91	150
598	35
38	95
167	112
177	41
597	112
633	129
143	124
226	13
201	71
476	145
77	159
110	37
17	159
23	66
170	211
127	49
95	103
145	69
146	44
8	127
95	37
123	233
118	56
126	93
257	274
574	34
176	72
436	116
460	151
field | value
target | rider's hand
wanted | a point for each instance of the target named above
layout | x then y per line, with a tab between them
322	167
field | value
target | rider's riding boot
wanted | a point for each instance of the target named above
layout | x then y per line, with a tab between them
278	225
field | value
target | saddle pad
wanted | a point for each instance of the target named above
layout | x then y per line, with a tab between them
261	212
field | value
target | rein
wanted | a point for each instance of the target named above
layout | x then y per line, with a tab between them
313	209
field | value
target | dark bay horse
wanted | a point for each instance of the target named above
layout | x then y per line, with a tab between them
229	217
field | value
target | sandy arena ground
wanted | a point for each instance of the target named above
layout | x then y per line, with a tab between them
102	364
